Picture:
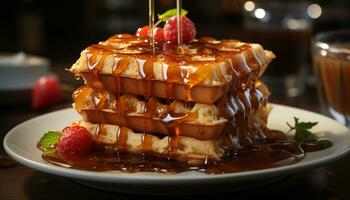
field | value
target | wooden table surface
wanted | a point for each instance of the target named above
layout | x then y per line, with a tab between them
19	182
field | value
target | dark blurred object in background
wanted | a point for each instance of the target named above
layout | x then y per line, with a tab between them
60	29
284	27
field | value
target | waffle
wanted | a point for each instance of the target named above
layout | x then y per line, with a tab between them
205	66
193	103
184	149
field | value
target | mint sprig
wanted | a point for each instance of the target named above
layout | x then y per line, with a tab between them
49	140
302	131
172	12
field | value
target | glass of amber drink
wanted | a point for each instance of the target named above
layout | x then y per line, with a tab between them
331	61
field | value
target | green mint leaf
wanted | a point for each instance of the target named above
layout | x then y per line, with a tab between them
51	153
325	143
304	136
49	140
306	125
172	12
302	133
296	121
290	127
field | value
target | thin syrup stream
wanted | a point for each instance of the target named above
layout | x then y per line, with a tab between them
151	23
179	22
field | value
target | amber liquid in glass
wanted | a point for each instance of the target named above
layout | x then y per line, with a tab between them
332	71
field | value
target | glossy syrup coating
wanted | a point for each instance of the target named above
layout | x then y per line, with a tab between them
189	64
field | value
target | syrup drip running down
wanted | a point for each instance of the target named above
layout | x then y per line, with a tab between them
173	121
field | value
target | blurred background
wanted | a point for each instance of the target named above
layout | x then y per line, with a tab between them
59	30
45	37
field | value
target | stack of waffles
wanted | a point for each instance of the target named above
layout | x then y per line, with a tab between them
194	103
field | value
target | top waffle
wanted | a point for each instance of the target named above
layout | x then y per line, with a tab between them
205	62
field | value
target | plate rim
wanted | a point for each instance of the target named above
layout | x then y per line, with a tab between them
135	178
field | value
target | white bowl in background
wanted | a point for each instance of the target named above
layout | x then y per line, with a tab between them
20	71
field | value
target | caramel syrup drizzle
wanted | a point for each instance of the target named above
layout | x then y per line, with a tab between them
238	104
178	67
95	63
179	22
188	71
122	138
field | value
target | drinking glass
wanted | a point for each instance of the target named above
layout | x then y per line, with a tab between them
331	61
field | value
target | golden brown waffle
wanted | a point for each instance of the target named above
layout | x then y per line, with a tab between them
192	103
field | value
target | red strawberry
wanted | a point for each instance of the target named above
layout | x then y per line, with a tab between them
188	29
75	140
46	92
158	33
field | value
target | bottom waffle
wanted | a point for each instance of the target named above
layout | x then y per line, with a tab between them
181	148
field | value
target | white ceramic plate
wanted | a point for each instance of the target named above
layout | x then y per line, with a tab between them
20	144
